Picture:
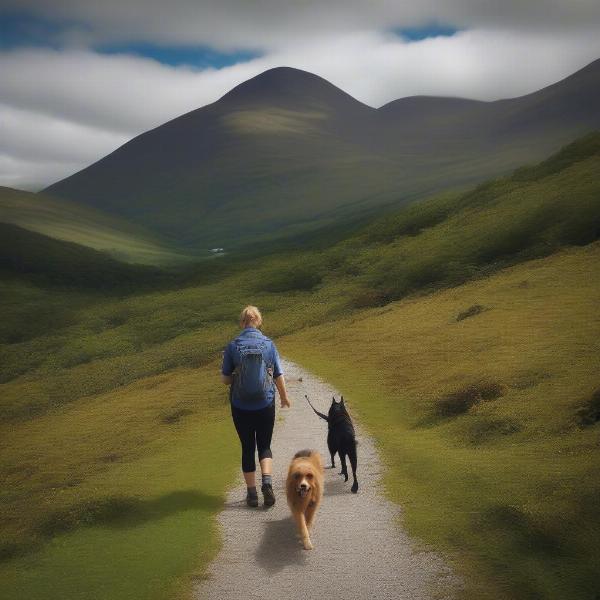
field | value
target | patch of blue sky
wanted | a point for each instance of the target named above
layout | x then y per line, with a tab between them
416	34
200	57
22	29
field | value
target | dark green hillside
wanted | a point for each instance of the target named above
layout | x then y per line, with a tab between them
75	222
580	149
53	262
455	237
287	153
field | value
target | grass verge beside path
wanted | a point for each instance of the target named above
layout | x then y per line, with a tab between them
127	513
484	401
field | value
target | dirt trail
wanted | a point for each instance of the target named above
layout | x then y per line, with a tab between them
360	551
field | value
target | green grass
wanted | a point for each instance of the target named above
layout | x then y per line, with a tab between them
71	222
52	262
103	392
489	424
125	512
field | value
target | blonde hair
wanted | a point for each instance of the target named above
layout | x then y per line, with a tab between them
250	317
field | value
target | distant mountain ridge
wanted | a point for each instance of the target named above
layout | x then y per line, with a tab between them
287	152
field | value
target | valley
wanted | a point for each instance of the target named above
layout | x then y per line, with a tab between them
462	329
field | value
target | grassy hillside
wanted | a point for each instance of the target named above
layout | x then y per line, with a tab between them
72	222
108	499
484	399
53	262
129	379
455	237
287	153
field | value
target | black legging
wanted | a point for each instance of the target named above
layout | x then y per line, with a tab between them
255	429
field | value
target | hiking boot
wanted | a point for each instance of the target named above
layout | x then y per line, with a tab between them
252	500
269	496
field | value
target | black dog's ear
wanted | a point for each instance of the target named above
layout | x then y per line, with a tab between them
333	400
342	400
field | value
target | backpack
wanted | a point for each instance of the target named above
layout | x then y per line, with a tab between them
254	378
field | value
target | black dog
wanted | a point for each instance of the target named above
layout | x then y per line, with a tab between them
341	437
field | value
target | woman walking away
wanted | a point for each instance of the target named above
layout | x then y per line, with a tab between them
252	370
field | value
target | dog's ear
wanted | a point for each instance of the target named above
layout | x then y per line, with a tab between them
342	400
333	400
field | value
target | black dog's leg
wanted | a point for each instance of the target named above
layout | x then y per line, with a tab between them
332	449
353	462
344	470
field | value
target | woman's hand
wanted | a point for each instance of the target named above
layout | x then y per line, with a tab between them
280	385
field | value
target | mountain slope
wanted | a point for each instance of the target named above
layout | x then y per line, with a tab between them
569	104
287	152
482	139
266	155
74	222
56	262
451	238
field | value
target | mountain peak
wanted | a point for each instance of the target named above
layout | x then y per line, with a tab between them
287	85
286	152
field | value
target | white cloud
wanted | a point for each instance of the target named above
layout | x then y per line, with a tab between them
479	64
116	92
29	135
271	24
36	149
62	110
32	175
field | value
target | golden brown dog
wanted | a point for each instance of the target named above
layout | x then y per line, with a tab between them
304	488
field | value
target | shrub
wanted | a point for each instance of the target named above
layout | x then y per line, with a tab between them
411	220
369	298
460	401
470	312
288	280
484	429
176	416
295	274
589	413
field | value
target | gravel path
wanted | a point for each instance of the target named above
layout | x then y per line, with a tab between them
360	551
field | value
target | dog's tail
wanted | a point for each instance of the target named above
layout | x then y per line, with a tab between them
325	417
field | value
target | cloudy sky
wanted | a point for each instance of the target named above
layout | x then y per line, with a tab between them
79	78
